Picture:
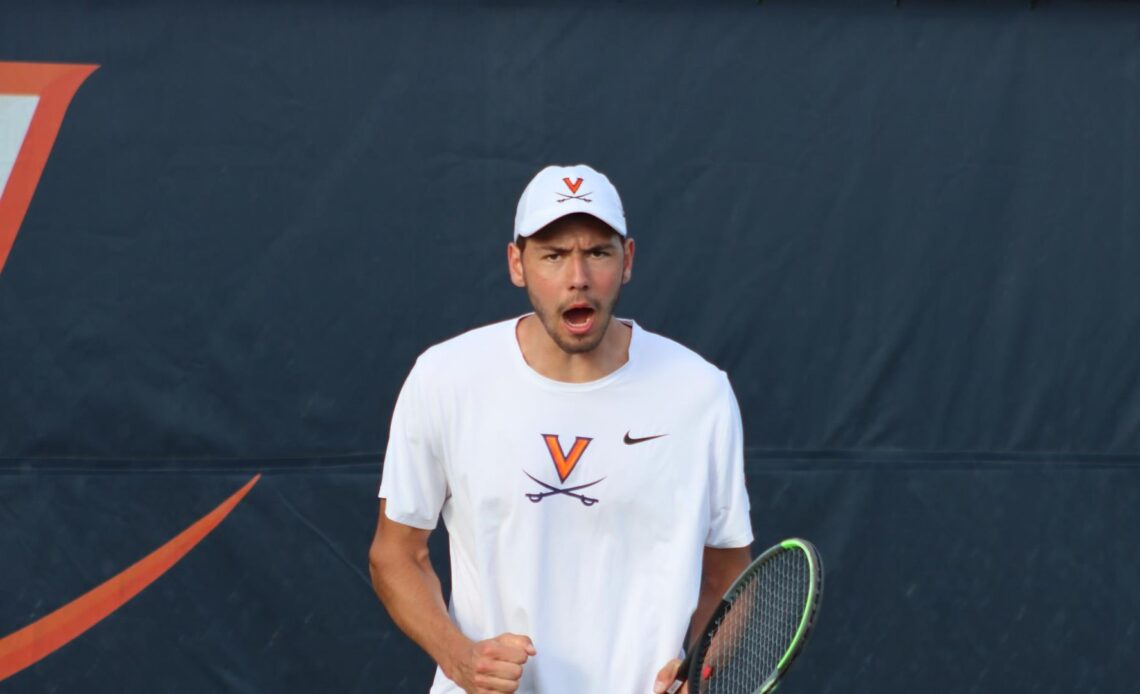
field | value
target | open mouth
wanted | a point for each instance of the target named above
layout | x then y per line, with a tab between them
579	319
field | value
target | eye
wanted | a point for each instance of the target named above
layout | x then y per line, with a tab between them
600	253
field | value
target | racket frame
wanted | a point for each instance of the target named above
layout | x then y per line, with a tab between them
690	668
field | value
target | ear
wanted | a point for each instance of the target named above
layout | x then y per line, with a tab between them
515	265
627	270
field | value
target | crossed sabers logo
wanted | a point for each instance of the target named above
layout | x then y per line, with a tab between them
573	186
564	464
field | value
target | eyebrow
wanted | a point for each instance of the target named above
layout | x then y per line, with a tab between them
566	249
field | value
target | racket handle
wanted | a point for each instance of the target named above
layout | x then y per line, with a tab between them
682	674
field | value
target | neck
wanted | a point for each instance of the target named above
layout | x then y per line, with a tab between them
544	355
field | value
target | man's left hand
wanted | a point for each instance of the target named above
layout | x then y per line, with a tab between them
666	676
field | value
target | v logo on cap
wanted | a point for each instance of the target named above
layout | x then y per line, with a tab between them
557	191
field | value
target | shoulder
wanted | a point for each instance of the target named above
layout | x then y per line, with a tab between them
669	359
476	350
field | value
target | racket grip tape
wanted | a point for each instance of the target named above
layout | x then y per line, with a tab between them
682	674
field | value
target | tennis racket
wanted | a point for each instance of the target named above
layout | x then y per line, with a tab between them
759	626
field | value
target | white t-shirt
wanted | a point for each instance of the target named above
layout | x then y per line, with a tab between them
577	512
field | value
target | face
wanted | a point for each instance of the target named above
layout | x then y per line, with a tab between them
573	271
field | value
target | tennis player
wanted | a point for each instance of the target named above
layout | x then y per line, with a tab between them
589	472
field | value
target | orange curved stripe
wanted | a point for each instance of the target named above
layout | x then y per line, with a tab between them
40	638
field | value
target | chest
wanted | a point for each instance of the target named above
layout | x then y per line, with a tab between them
586	467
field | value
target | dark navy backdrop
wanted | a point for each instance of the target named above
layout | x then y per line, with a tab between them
909	235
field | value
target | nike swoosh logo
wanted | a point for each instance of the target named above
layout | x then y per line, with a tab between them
629	440
39	639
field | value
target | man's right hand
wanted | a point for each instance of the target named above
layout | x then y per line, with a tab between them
494	665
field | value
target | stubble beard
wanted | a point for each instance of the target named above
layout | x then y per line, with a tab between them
552	320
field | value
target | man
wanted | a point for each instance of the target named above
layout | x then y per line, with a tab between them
590	475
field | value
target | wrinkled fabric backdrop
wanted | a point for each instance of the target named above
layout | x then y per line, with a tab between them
909	234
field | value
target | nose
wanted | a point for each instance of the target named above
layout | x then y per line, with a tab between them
579	273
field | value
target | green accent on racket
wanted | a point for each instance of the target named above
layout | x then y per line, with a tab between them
761	624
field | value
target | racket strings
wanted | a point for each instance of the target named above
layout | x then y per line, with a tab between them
759	627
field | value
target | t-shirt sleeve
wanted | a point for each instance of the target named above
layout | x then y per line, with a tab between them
413	480
729	524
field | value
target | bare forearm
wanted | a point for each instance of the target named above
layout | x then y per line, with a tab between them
405	582
709	598
410	591
720	569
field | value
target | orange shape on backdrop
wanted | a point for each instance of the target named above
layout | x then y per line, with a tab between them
50	632
55	85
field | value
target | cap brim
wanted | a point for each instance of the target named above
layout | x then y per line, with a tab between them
538	222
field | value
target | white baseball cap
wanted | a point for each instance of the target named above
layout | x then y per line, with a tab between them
557	191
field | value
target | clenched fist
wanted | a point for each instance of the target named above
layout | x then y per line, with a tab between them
494	665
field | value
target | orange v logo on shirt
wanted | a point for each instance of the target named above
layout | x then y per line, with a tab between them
564	462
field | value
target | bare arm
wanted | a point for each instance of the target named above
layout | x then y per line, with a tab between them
718	570
407	584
